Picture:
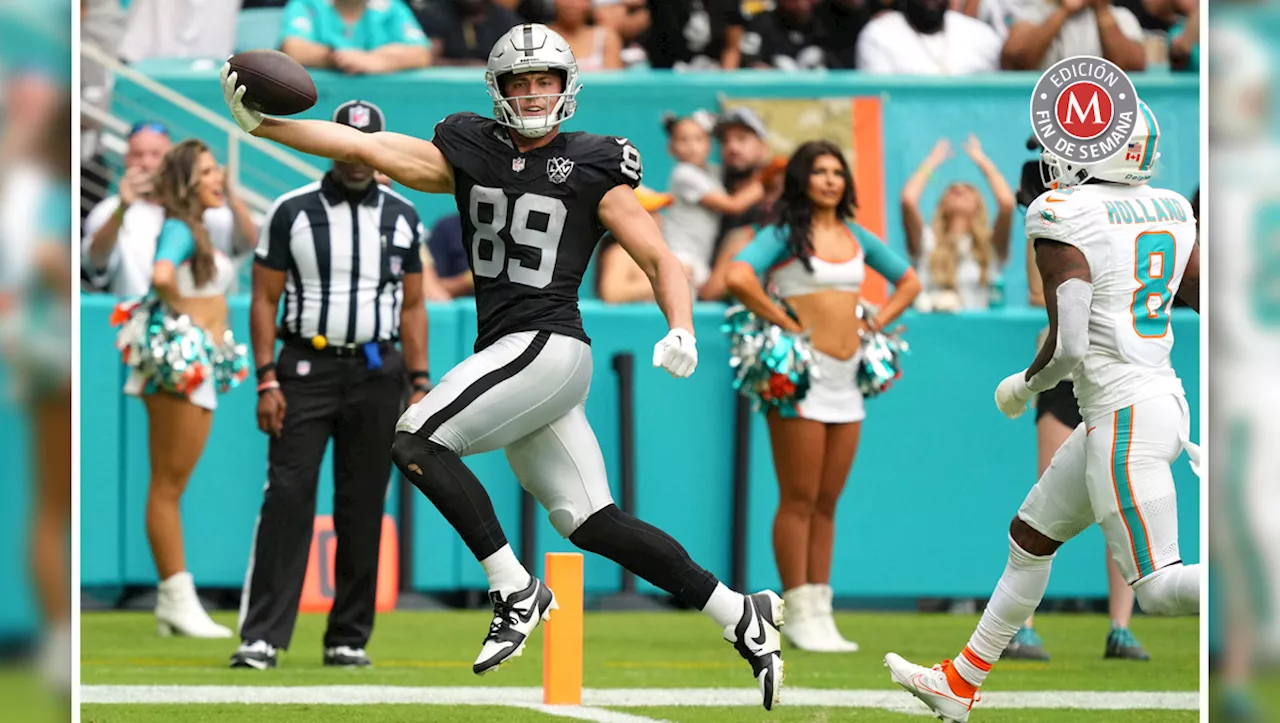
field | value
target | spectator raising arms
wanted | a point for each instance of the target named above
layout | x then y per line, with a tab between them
354	36
1046	31
596	47
960	252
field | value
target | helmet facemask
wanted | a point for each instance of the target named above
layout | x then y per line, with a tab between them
560	106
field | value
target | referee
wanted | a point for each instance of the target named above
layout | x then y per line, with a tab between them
344	253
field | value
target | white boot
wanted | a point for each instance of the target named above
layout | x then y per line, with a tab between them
826	621
178	610
55	658
803	629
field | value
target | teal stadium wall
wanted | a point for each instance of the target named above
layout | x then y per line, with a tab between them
938	463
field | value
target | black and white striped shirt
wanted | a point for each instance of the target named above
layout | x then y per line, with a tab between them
345	255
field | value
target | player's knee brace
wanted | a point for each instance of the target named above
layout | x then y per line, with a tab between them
646	551
1172	590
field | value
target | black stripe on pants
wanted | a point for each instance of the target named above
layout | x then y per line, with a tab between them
326	397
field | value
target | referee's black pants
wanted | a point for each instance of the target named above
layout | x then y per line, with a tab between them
326	396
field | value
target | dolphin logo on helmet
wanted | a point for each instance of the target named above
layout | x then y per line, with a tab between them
532	48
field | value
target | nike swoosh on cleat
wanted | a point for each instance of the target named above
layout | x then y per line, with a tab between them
951	696
759	639
257	664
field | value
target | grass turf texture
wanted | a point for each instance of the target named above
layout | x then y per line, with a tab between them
622	650
474	714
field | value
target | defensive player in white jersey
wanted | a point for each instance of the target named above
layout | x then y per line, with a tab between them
1112	252
1244	541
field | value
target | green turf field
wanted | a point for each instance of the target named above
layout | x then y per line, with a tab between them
632	664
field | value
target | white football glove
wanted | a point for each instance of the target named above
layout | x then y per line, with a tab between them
248	120
1013	394
677	353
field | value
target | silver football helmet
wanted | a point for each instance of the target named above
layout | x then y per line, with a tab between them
525	49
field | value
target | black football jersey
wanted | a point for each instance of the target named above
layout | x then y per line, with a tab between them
529	221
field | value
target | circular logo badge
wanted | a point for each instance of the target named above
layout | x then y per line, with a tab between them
1083	109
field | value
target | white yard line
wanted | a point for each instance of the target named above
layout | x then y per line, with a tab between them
596	698
596	715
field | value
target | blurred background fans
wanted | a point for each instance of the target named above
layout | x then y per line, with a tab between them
1244	252
36	288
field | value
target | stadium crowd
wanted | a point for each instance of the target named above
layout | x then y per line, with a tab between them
919	37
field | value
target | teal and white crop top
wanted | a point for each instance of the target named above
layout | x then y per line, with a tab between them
768	255
176	245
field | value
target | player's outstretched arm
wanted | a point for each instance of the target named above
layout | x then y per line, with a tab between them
411	161
1189	290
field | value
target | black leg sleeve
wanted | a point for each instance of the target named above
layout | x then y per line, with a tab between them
453	489
648	552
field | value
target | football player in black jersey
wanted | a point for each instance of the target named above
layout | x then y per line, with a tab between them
534	202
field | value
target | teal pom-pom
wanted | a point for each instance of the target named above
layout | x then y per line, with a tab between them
881	362
772	367
174	354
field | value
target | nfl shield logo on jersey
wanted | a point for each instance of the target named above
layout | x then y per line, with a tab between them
517	164
558	169
396	265
359	116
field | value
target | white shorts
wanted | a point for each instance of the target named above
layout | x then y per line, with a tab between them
524	394
205	395
1115	471
833	396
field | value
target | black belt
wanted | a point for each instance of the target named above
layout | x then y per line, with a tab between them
320	345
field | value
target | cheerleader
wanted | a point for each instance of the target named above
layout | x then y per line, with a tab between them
180	354
815	257
36	293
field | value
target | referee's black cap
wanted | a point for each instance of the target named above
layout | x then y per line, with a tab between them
362	115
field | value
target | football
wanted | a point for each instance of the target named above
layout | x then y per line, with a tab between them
274	83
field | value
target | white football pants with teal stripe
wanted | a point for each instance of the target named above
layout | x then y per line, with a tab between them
1116	470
